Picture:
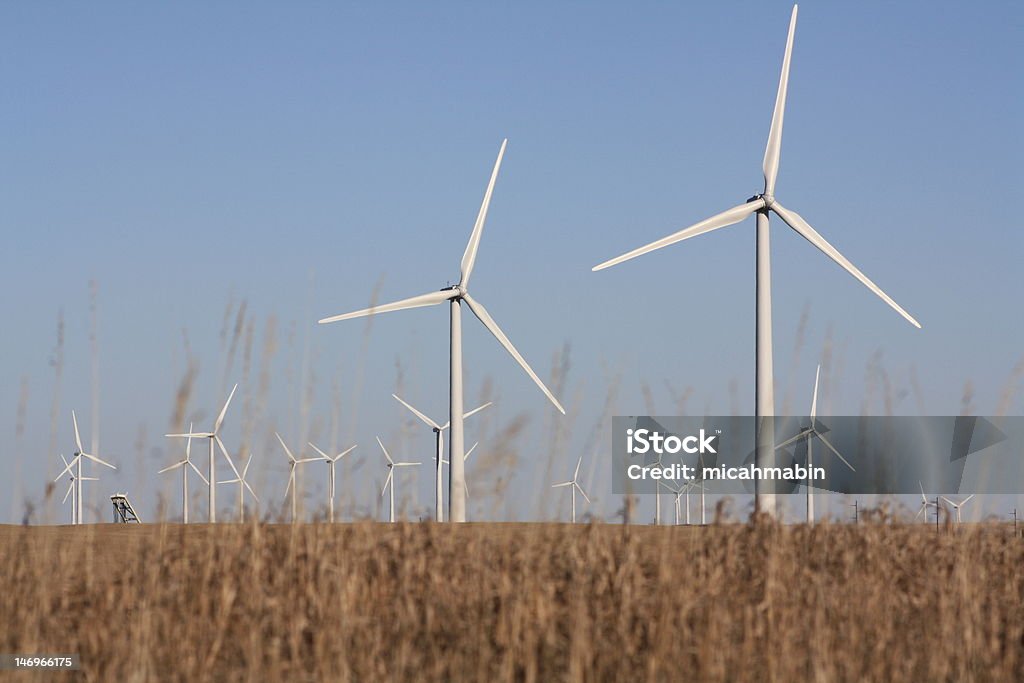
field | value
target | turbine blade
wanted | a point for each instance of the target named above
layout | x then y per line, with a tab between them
188	445
795	221
345	452
313	445
224	411
291	480
564	483
231	462
834	451
71	487
431	299
78	439
801	435
924	499
948	501
772	151
814	399
386	454
964	501
285	447
68	468
409	464
476	410
98	460
174	466
251	492
245	470
919	511
386	482
582	492
481	313
722	220
421	416
470	451
469	256
196	470
190	435
576	474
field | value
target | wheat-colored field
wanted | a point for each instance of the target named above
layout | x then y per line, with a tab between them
519	602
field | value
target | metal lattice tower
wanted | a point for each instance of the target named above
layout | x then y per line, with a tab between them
124	513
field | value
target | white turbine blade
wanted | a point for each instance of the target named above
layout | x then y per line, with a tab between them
224	411
229	481
386	454
431	299
345	452
722	220
582	492
291	480
469	256
924	499
564	483
196	470
576	474
245	470
68	468
920	510
407	464
174	466
251	492
834	451
386	482
231	462
774	147
470	452
285	447
964	501
814	399
476	410
71	487
795	221
948	501
78	439
421	416
324	455
481	313
302	460
98	460
191	435
802	435
90	479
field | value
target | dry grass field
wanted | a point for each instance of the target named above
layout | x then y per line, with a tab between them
517	602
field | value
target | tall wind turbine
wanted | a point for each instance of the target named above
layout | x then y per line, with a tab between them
957	506
242	486
438	457
761	205
331	462
810	433
574	486
214	436
184	476
390	481
76	466
292	486
456	295
925	503
71	488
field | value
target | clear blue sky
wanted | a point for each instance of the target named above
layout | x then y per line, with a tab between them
294	156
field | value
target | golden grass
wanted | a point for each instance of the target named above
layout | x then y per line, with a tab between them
521	602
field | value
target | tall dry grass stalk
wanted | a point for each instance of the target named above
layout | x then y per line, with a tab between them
510	602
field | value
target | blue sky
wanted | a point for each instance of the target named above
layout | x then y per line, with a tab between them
296	157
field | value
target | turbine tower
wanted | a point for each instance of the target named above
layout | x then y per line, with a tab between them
184	476
213	436
761	204
331	462
439	443
456	295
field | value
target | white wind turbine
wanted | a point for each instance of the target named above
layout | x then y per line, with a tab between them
391	477
75	466
456	295
957	506
71	488
809	434
331	462
242	486
761	205
213	436
184	476
925	503
438	456
574	486
292	485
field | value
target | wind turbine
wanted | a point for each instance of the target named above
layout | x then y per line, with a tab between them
391	477
71	488
957	506
761	205
439	441
574	487
242	486
292	486
455	295
925	503
75	466
184	476
213	436
809	433
331	462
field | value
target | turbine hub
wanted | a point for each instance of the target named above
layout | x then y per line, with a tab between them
768	199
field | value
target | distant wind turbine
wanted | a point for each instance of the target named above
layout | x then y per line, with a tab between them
184	476
331	462
71	488
574	486
925	503
242	486
76	466
455	295
761	204
390	481
957	506
292	485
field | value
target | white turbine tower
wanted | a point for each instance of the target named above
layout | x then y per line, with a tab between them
438	456
71	488
213	436
456	295
925	503
292	485
761	205
391	477
75	467
184	476
242	486
574	486
809	434
957	506
331	462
